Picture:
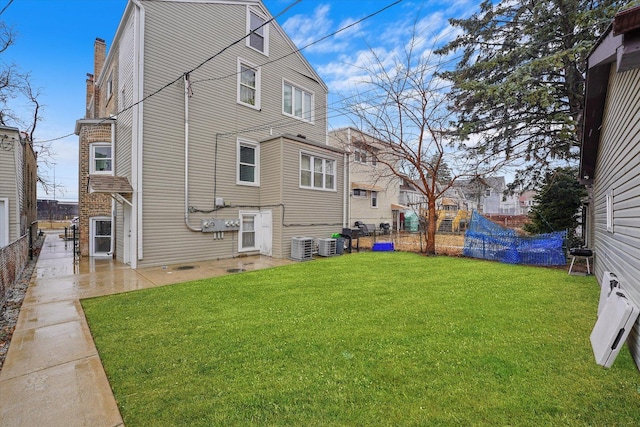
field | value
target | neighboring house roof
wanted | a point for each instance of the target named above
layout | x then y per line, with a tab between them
620	44
364	186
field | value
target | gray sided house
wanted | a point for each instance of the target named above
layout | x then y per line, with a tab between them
204	143
610	156
374	190
18	176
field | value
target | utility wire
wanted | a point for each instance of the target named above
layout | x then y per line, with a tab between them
177	79
5	8
311	43
292	120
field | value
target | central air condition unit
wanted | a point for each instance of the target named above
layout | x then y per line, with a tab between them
302	248
326	247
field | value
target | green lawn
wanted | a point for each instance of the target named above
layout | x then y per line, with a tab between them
376	338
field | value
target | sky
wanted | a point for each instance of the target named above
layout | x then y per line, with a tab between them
55	44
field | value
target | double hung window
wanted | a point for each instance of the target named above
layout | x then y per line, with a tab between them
101	161
248	84
248	163
258	32
374	199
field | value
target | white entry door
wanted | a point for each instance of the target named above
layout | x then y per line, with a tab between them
266	232
255	232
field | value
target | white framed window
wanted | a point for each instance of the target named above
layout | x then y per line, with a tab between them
360	155
258	38
359	193
374	199
110	86
101	244
297	102
247	240
248	84
317	173
248	163
101	158
4	221
122	99
609	206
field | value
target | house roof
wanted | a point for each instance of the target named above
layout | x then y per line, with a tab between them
626	21
619	45
109	184
397	207
365	186
132	4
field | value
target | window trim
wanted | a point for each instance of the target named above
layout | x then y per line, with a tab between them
110	86
241	231
312	158
265	28
256	147
257	69
92	158
374	199
304	90
609	210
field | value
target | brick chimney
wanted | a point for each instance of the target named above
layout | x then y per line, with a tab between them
89	113
99	55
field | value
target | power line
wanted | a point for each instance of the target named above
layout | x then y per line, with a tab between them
233	44
5	8
285	121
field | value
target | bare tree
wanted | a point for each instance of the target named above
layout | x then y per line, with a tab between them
403	104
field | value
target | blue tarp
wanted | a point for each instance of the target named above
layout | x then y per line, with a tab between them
487	240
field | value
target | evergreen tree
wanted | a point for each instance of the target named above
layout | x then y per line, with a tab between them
557	204
519	85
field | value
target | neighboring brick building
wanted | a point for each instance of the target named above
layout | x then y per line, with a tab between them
96	134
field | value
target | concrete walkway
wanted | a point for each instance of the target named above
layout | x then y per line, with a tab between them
52	375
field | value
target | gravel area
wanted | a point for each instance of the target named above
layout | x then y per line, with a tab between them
11	310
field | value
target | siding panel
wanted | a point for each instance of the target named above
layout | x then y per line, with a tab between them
618	169
178	37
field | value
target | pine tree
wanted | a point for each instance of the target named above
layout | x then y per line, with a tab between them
519	84
557	204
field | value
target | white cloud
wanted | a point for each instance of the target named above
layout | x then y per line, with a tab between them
306	29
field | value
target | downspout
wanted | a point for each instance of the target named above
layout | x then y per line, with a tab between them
187	90
348	189
114	206
138	91
346	199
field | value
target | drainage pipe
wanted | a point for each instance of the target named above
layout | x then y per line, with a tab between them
187	89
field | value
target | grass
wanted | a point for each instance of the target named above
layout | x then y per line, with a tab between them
364	339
